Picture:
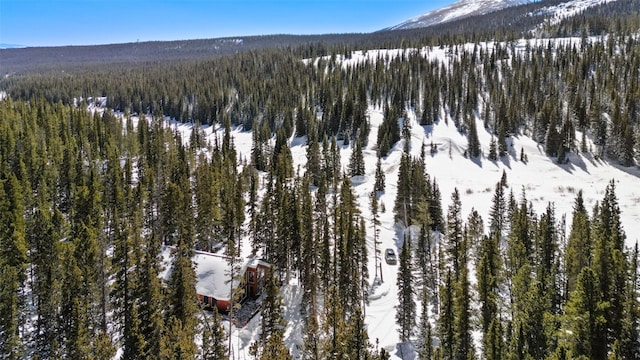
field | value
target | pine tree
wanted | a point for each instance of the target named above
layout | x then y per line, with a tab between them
585	318
552	139
403	204
627	144
425	338
629	346
207	205
275	349
547	250
265	222
357	339
314	161
152	301
446	320
389	131
311	338
488	280
425	250
259	138
493	341
213	336
46	228
578	251
609	263
309	276
406	132
333	326
253	207
498	211
13	262
356	162
472	139
493	151
349	250
375	219
435	208
75	309
454	242
181	319
502	142
406	308
323	235
126	256
362	254
271	344
462	308
520	238
379	185
303	119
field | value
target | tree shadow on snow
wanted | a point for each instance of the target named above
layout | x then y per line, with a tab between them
506	160
573	163
406	351
428	130
477	160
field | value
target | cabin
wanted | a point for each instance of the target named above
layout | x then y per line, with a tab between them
213	279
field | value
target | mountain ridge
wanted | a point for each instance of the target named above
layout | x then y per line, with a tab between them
456	11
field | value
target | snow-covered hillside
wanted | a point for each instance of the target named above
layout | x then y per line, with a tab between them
570	8
541	179
466	8
458	10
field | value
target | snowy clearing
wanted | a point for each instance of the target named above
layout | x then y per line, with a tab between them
541	178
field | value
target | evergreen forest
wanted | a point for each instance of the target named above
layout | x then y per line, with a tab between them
91	193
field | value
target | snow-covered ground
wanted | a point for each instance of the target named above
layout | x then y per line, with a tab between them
541	178
466	8
457	10
571	8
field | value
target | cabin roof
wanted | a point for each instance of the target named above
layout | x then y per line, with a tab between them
212	272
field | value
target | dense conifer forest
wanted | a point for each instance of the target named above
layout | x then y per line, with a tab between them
90	195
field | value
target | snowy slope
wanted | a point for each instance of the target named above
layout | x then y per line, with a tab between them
458	10
542	180
570	8
466	8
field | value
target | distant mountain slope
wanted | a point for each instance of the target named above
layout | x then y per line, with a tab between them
43	59
10	46
553	10
458	10
570	8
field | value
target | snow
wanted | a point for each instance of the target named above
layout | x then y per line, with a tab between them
571	8
93	104
540	178
210	276
543	180
212	273
458	10
466	8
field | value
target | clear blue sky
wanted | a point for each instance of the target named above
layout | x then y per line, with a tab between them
87	22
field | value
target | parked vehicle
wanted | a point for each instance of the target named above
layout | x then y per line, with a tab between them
390	257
